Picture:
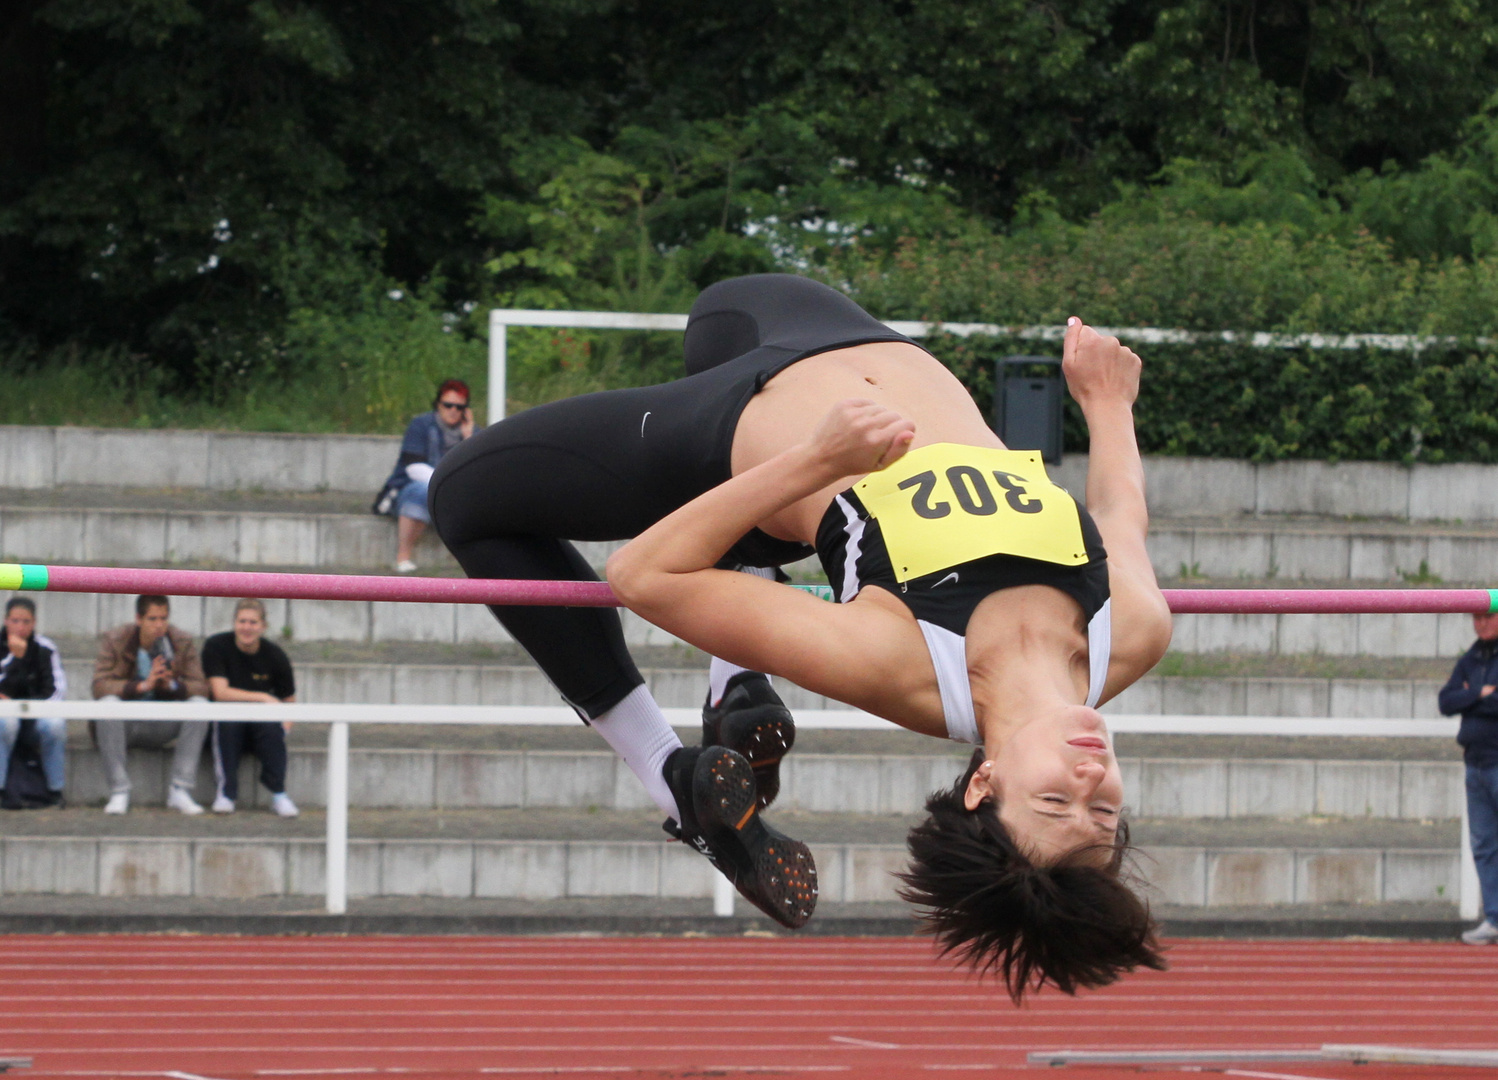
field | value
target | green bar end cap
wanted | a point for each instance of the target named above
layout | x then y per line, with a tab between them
1493	601
33	578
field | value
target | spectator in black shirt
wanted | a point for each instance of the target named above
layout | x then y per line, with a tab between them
242	666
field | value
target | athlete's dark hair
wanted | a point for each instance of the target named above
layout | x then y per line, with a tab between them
1072	924
20	602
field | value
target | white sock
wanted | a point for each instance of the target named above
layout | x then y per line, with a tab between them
718	674
637	730
721	671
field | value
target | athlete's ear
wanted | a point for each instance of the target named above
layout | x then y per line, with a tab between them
980	787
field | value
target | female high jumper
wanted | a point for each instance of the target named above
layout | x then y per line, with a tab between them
979	602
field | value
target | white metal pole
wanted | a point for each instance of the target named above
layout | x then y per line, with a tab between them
722	896
337	857
498	362
1469	889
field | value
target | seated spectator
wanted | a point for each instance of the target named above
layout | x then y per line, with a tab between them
149	660
428	438
242	666
31	670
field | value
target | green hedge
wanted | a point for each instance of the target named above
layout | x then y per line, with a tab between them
1268	404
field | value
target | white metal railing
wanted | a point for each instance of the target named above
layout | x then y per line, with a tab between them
500	319
339	717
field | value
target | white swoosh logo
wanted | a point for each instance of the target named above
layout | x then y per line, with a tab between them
642	424
950	577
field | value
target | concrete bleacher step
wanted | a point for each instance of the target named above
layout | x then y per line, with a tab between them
48	458
498	673
97	524
421	766
570	853
357	622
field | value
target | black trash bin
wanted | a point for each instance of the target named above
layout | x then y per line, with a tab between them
1027	404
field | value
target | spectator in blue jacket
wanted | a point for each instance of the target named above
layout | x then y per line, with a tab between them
428	438
1470	691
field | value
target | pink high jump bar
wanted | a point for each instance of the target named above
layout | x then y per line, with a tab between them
109	579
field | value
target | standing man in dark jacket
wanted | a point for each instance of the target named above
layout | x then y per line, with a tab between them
1470	691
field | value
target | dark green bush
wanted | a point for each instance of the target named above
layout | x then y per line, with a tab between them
1438	404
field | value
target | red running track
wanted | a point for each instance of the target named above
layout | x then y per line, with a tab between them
235	1008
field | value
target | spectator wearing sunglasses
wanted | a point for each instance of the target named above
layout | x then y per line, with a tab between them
428	438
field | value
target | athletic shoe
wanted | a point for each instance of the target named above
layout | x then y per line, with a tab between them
715	793
282	805
118	803
405	566
1485	933
751	720
178	799
223	805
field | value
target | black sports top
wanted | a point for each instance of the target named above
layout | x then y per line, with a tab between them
852	550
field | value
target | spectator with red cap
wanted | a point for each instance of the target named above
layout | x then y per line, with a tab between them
428	438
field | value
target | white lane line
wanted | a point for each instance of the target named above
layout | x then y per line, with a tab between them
176	1075
1270	1075
867	1044
553	1070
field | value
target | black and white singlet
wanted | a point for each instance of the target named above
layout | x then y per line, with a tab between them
852	547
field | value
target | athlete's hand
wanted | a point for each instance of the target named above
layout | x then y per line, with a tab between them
1098	368
857	437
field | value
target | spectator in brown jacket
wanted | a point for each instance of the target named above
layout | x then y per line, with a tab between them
149	660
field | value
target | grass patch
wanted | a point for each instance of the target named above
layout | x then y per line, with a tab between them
1180	665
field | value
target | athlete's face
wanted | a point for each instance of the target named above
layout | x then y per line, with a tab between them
1057	784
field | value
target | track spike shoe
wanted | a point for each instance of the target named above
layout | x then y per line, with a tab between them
715	793
751	720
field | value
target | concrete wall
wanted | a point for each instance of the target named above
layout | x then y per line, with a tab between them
43	457
1225	877
682	688
1444	636
87	614
433	779
1251	548
119	537
547	869
1190	487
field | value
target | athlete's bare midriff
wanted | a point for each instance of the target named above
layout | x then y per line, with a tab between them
901	377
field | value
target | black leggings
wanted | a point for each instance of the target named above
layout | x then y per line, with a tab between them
607	466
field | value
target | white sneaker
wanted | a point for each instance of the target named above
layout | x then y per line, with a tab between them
178	799
282	805
222	805
405	566
1485	933
118	803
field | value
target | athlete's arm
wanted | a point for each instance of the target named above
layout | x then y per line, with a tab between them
666	573
1103	377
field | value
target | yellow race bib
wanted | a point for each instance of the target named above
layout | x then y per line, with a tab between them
947	504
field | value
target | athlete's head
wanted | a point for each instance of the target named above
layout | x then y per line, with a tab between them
1056	783
1032	894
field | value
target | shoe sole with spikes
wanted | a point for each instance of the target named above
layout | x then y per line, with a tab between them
761	730
773	872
